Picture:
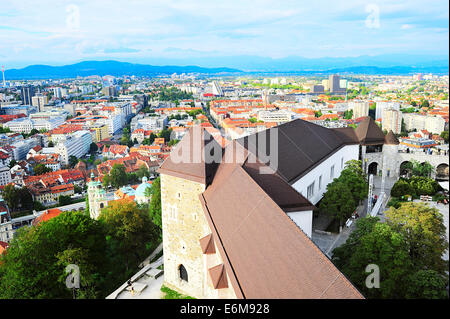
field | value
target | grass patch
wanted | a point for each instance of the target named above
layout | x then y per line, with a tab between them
172	294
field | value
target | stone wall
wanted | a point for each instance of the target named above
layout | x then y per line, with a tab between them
183	224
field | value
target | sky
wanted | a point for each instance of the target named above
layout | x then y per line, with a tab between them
59	32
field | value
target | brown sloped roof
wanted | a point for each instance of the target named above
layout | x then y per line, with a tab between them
390	139
207	244
264	252
346	134
299	146
218	276
369	133
195	157
280	191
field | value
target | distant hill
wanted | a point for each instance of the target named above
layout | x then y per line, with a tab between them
369	70
103	68
295	65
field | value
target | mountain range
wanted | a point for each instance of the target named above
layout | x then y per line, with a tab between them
382	64
102	68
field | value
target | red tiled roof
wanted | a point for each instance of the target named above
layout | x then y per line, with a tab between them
47	215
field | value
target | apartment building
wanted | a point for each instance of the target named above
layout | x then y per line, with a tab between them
76	145
5	175
20	149
433	124
360	109
392	120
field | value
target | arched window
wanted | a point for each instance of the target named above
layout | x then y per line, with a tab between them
183	273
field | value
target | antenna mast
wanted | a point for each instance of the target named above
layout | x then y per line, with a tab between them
3	71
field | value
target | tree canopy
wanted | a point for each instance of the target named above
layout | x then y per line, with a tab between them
34	265
407	248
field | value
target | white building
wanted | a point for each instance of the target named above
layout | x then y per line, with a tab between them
380	106
392	120
360	108
433	124
76	145
39	101
21	148
281	116
5	175
25	125
114	122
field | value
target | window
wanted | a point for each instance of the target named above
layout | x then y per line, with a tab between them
320	182
342	163
183	273
179	195
173	212
332	172
310	191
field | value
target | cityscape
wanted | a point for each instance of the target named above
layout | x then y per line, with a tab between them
149	172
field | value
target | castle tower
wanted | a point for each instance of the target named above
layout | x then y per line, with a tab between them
390	152
189	251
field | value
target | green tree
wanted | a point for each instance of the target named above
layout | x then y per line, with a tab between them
72	161
12	163
51	144
142	171
34	266
38	206
338	201
377	244
444	135
40	169
155	203
11	196
427	284
165	133
402	188
93	148
117	177
130	231
17	198
318	114
64	200
348	114
355	179
424	230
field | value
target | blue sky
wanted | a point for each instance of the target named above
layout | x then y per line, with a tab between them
59	32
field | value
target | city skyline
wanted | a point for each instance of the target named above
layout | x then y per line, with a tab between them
179	32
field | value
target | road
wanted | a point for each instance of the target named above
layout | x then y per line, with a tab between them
70	207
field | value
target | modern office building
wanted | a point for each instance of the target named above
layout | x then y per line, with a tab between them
77	145
26	93
334	84
39	101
